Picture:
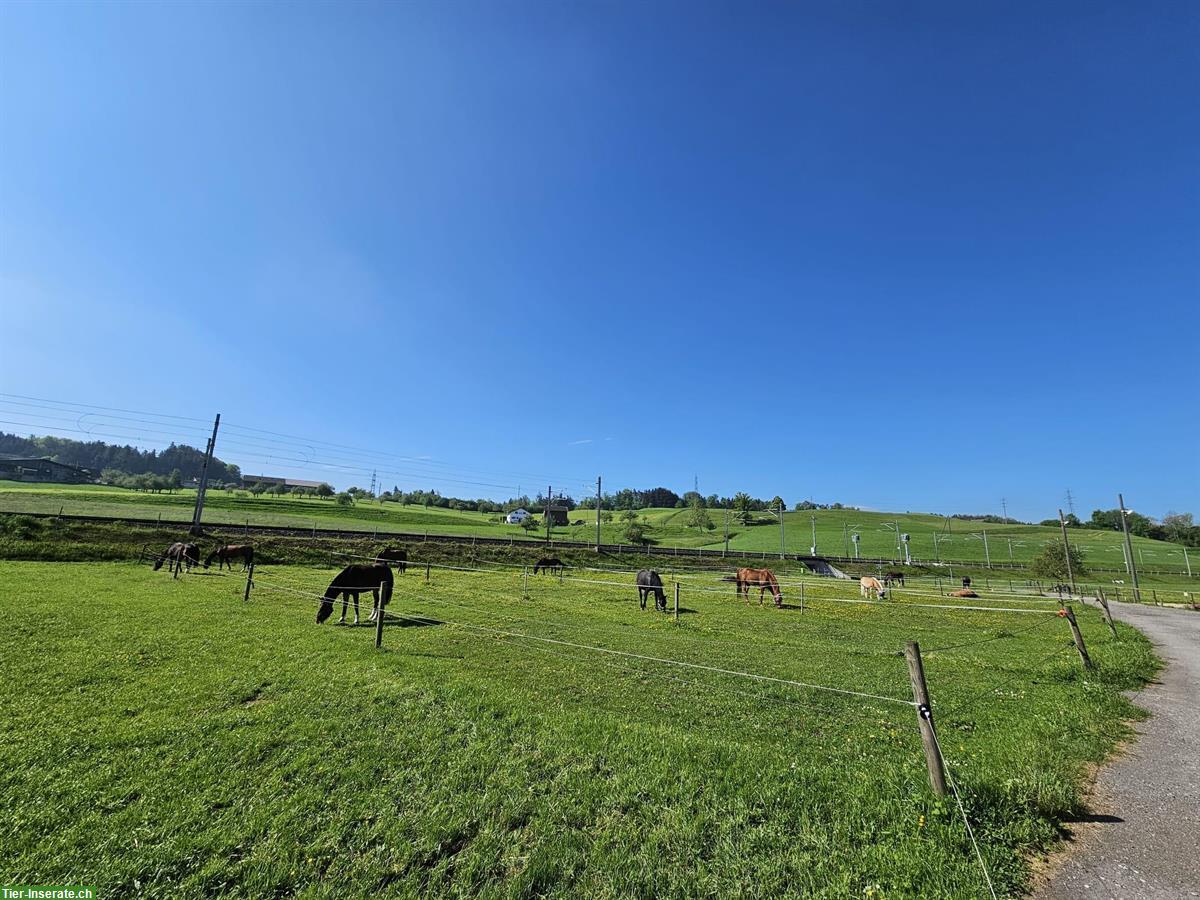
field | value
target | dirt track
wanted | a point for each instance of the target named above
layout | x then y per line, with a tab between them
1142	841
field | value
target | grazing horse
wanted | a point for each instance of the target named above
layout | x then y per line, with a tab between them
399	556
549	564
352	581
648	583
761	579
966	582
868	586
225	555
890	578
180	556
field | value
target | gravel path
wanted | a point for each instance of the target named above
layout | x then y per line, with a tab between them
1142	841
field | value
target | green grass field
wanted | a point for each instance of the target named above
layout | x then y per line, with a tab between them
957	540
165	739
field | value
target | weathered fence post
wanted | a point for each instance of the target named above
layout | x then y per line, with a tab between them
1108	616
1078	636
379	618
524	582
677	603
249	583
802	596
933	758
427	573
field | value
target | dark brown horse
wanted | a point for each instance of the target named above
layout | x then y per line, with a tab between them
180	556
890	578
225	556
399	556
761	579
355	580
648	583
549	564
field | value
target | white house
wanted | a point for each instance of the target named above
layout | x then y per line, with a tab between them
517	516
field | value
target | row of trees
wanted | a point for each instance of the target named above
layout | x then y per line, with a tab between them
1176	527
155	484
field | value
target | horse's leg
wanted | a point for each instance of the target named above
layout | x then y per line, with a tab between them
356	607
642	596
345	603
374	604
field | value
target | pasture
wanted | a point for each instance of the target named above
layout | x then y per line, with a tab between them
166	738
956	539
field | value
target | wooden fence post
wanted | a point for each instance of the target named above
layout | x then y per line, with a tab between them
249	583
677	603
524	582
802	596
933	759
1108	616
427	573
1078	636
379	618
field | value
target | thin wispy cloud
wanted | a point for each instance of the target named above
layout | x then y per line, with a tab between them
576	443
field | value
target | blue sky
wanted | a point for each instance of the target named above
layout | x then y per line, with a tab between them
907	256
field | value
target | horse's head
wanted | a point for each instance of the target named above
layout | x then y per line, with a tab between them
325	610
208	559
158	564
883	593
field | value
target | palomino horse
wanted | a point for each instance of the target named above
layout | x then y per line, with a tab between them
761	579
868	586
225	556
399	556
180	556
550	564
352	581
648	583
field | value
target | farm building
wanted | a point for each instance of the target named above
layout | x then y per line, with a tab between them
272	481
43	470
558	514
517	516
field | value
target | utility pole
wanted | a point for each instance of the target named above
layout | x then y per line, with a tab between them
1067	549
845	540
1004	506
208	455
726	529
1070	502
1137	594
986	553
598	495
549	488
1187	562
781	550
372	482
936	555
814	532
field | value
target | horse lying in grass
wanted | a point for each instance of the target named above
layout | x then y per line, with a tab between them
225	556
399	556
180	556
761	579
648	583
352	581
868	586
549	564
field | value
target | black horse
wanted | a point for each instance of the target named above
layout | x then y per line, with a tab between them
225	556
891	578
549	564
399	556
648	583
966	582
352	581
180	556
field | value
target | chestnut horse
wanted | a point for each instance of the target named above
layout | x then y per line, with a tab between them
761	579
225	555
